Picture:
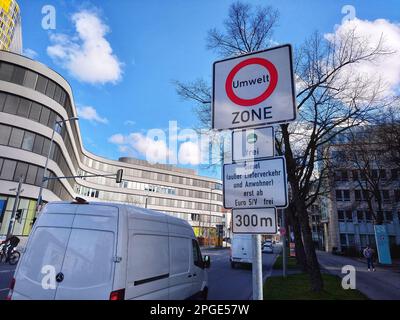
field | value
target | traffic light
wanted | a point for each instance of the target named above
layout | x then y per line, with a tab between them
18	214
118	179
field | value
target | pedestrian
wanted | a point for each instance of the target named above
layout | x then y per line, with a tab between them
9	244
369	255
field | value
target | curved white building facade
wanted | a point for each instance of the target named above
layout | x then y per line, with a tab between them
32	98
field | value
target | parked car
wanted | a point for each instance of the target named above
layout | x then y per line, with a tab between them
241	250
267	248
97	251
267	242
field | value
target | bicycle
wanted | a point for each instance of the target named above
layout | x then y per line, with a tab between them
14	255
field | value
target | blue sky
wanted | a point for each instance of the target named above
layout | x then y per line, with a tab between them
154	43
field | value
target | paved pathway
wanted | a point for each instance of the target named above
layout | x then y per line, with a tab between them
383	284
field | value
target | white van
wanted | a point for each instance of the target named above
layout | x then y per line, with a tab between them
241	250
84	250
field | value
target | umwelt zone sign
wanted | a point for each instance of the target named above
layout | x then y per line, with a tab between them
254	89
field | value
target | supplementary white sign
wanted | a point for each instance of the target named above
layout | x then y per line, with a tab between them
256	184
259	221
254	143
254	89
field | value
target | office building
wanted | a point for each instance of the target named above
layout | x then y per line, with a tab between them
33	98
10	26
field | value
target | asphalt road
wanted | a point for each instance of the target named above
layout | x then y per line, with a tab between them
226	283
6	273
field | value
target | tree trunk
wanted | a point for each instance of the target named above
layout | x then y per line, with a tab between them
314	270
299	247
302	214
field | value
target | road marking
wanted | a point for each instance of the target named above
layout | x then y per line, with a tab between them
4	289
6	271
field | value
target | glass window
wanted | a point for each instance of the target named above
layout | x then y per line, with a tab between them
62	98
11	104
35	111
57	93
23	108
349	215
341	215
6	71
52	119
339	195
197	259
27	143
30	79
20	171
388	216
51	87
346	195
3	97
31	174
44	116
396	194
394	172
351	239
360	215
41	84
46	146
357	195
343	240
38	144
39	177
355	175
16	138
7	171
5	132
18	75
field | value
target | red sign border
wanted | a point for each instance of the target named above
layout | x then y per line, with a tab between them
270	89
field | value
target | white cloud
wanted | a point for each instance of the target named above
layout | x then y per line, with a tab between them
155	151
189	153
117	139
385	68
88	55
30	53
90	113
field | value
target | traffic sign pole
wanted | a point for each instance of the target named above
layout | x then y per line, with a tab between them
257	268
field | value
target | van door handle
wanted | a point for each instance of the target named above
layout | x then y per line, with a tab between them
194	274
189	276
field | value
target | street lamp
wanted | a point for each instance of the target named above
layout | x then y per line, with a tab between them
57	123
209	220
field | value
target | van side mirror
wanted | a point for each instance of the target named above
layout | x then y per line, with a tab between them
206	262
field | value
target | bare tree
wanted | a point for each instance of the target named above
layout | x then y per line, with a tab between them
331	99
368	159
388	135
246	30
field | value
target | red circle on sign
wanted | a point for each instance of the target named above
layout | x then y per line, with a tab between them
273	73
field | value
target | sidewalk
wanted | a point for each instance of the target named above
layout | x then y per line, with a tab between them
384	284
